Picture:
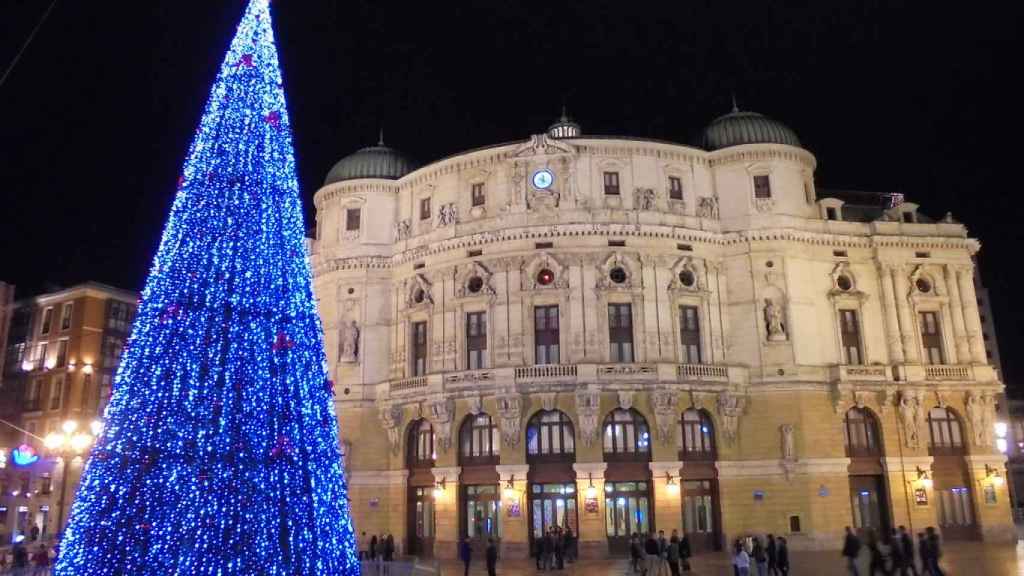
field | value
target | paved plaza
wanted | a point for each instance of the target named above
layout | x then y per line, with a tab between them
974	559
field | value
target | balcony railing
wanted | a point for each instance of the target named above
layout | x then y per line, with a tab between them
408	384
541	372
702	372
947	372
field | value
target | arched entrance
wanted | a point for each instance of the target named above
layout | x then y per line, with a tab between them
420	455
551	453
702	513
627	487
952	480
869	499
479	493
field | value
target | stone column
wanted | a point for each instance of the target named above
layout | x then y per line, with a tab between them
908	324
514	521
969	302
963	354
446	513
892	322
667	508
593	541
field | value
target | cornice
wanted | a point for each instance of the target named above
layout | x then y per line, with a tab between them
335	191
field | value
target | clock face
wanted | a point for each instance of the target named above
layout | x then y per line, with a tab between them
543	179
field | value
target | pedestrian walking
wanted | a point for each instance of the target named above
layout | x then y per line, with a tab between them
570	545
466	555
740	559
934	552
759	558
685	552
373	547
492	558
19	563
851	549
907	545
559	549
41	562
770	550
651	553
672	554
362	545
782	556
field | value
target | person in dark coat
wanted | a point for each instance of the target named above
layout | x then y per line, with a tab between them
782	557
465	554
651	550
635	551
684	553
771	551
492	558
389	548
20	557
934	552
373	547
851	549
559	548
549	550
907	544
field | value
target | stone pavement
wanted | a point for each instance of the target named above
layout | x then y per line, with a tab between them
973	559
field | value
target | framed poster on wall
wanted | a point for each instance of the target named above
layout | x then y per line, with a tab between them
920	496
590	506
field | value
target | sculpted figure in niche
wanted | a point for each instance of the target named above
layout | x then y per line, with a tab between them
349	343
773	321
707	207
788	444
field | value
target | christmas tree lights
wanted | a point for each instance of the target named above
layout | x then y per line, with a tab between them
219	453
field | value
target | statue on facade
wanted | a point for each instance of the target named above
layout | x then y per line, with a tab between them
349	342
911	414
976	413
447	215
645	199
773	321
788	443
707	207
403	229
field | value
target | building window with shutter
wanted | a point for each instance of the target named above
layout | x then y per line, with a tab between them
762	186
65	316
477	194
352	219
620	333
476	340
689	334
611	183
545	334
675	188
849	331
44	327
931	338
419	348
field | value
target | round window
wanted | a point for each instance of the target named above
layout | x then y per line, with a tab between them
686	278
923	285
617	275
844	283
545	277
475	284
418	296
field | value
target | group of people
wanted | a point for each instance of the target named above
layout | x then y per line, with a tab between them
652	555
768	558
377	550
555	548
893	553
23	562
466	555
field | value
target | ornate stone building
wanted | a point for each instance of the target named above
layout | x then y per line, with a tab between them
617	334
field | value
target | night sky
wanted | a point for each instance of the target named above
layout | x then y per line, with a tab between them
890	96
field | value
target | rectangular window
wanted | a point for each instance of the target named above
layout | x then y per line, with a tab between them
65	315
620	332
611	183
32	401
762	186
106	390
45	484
477	194
689	334
419	348
119	316
476	340
41	355
352	219
545	334
425	208
44	327
675	188
56	393
112	347
849	331
62	353
831	214
931	338
86	391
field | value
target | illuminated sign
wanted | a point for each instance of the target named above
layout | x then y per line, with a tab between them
24	455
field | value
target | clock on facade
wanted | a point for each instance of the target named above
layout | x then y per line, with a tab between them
543	179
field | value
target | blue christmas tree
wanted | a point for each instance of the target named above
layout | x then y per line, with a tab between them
220	452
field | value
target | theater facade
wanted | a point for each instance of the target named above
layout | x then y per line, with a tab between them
615	335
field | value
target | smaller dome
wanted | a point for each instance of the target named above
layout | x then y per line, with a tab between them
741	127
371	162
564	127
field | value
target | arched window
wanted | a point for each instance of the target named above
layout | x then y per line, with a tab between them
549	435
946	432
421	444
626	436
862	433
698	436
479	440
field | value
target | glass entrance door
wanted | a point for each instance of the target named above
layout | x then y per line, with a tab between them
421	518
482	515
956	513
551	505
868	504
627	512
700	515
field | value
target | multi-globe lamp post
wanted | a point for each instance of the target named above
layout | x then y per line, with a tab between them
69	444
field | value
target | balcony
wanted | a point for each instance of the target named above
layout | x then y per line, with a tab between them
546	373
409	384
948	372
702	372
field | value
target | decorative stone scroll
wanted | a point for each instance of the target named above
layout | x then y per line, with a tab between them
730	407
663	404
588	409
625	399
442	413
510	416
418	292
391	419
466	275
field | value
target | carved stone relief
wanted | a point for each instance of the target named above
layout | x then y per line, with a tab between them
663	404
510	414
588	408
442	413
391	419
625	399
707	207
730	407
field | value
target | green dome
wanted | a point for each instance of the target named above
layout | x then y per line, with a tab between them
741	127
371	162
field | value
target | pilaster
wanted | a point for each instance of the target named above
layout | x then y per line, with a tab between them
668	499
972	322
515	537
593	541
446	512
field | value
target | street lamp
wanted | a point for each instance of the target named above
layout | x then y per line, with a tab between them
68	444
